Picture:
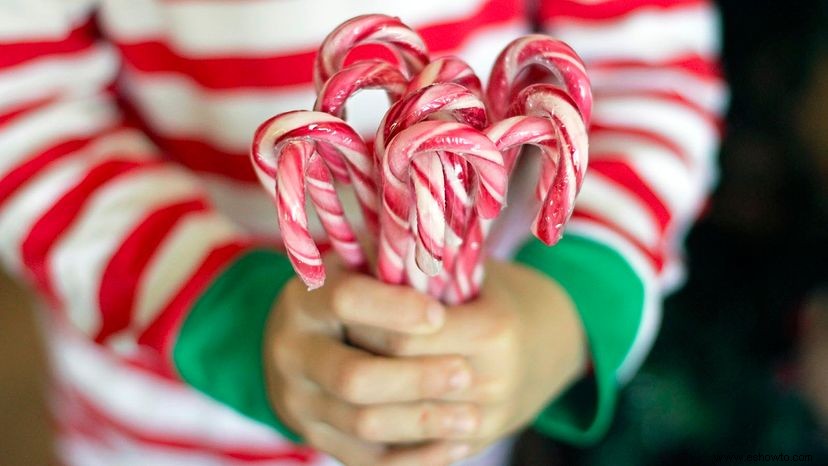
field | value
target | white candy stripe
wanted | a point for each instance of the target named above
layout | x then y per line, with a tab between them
78	259
646	34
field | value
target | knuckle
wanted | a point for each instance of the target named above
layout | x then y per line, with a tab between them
397	343
315	437
346	381
501	333
281	357
294	404
341	297
367	425
413	305
496	390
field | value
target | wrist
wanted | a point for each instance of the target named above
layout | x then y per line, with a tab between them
275	385
552	338
554	330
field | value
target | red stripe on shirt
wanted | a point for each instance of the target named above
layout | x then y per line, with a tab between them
123	273
47	230
695	64
607	10
9	115
294	68
16	53
597	130
19	175
161	334
656	258
202	157
624	176
666	96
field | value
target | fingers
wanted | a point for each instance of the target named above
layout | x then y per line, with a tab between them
359	377
354	452
348	450
436	454
467	330
395	423
361	300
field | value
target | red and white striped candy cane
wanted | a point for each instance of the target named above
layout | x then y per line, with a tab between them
366	74
530	53
287	163
403	42
447	70
334	94
335	84
560	181
448	172
455	170
549	120
426	139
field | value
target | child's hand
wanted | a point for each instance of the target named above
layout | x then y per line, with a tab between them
352	404
522	338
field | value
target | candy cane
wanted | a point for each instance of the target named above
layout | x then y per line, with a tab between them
284	156
447	70
554	125
455	170
367	74
404	43
452	176
424	139
558	191
528	53
342	85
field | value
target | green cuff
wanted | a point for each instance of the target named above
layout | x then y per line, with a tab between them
220	347
609	296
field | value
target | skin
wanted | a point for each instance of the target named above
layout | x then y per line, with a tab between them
418	383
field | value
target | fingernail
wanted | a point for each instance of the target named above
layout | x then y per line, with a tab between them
460	379
459	451
460	423
435	315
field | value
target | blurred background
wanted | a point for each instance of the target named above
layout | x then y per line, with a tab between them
741	363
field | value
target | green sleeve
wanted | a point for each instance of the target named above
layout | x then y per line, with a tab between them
609	296
219	349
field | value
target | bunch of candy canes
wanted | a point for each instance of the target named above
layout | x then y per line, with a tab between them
443	153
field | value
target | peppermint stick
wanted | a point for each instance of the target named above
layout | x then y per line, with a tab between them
288	165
